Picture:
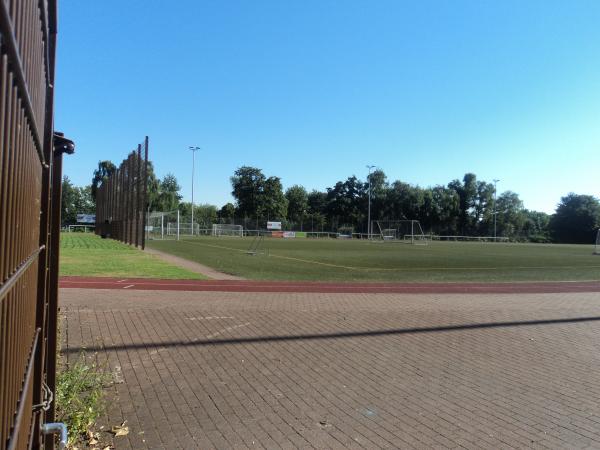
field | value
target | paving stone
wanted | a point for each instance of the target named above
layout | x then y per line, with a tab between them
291	370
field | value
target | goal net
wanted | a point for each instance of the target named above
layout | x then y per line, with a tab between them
185	229
163	225
223	229
408	231
597	246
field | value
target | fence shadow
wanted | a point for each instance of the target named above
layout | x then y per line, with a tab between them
330	336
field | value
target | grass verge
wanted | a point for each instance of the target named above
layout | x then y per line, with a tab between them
85	254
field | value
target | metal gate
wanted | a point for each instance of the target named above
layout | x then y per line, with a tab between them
30	177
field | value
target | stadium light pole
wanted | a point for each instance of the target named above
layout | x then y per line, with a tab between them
369	209
495	212
194	150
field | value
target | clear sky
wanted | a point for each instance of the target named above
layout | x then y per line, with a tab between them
313	90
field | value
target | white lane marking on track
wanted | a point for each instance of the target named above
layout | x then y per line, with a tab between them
120	281
127	287
210	317
224	330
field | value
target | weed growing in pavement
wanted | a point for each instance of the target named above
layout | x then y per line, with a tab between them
80	397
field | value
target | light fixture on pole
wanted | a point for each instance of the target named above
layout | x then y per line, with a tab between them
495	212
194	150
369	213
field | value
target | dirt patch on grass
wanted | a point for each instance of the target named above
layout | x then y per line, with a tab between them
192	265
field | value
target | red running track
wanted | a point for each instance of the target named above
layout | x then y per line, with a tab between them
322	287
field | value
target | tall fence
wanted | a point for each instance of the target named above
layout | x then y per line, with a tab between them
30	184
121	200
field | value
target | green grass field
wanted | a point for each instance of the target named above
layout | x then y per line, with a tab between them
85	254
355	260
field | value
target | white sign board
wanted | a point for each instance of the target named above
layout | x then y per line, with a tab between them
273	225
289	234
86	218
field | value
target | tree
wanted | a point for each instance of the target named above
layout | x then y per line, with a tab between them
227	213
445	210
510	215
272	202
317	209
257	196
379	189
168	197
85	202
344	202
535	227
153	189
467	193
317	202
248	184
576	219
205	214
297	199
404	201
482	214
75	200
68	212
105	169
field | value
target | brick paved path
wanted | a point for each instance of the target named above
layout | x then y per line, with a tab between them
290	370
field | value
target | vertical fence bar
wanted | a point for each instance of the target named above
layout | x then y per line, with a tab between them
145	192
138	201
122	199
52	333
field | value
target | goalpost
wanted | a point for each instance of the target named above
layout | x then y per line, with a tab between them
223	229
185	228
408	231
163	225
597	246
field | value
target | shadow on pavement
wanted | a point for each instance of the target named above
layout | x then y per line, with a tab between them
327	336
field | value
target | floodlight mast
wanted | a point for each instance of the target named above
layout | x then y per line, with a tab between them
369	208
495	212
194	150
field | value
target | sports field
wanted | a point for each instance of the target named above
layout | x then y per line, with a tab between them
356	260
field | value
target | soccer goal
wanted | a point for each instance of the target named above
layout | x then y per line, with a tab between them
597	246
408	231
163	225
223	229
185	229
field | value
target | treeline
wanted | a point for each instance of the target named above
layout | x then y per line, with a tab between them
462	207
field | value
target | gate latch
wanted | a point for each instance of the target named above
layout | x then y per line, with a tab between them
47	400
57	428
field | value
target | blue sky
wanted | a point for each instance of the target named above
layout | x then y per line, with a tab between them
312	91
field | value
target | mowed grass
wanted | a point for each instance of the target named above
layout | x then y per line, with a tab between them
355	260
85	254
